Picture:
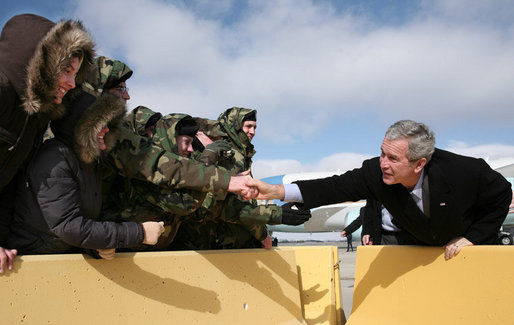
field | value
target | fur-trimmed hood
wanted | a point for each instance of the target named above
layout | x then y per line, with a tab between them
85	118
34	51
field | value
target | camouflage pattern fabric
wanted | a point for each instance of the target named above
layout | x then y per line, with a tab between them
231	122
137	156
106	73
137	200
226	221
250	226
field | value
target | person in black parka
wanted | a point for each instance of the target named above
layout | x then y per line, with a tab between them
40	61
60	198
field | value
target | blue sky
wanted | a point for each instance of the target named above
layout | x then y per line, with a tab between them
327	77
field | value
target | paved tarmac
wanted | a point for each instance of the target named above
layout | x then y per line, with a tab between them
346	269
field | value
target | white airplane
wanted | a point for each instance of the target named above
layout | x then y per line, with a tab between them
326	218
335	217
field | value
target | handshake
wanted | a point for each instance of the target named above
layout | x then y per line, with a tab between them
249	188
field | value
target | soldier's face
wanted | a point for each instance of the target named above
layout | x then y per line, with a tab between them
66	80
185	145
120	91
249	128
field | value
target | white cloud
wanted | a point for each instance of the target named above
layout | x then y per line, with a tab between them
296	56
486	151
304	67
495	154
338	163
267	168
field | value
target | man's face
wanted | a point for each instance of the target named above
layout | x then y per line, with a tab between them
66	80
249	128
396	168
185	145
120	91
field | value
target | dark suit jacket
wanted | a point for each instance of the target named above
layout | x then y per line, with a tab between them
354	225
467	198
371	215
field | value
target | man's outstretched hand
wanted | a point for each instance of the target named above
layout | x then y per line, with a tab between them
263	191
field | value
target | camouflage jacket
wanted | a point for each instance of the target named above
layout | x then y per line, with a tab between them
231	123
133	199
137	156
225	221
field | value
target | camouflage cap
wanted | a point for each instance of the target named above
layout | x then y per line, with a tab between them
140	118
165	131
234	117
211	128
231	121
105	73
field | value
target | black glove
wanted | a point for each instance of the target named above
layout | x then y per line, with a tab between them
294	216
219	146
213	151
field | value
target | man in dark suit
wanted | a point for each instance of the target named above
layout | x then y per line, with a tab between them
438	197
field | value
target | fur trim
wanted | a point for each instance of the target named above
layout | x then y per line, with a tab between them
106	110
53	55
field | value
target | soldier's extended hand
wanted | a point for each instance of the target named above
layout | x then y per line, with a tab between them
153	230
219	146
238	184
294	214
264	191
214	150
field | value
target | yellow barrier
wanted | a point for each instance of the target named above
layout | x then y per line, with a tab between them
416	285
289	285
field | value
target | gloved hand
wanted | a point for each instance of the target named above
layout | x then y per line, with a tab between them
219	146
213	151
294	214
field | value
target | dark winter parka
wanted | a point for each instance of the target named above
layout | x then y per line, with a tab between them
34	51
60	198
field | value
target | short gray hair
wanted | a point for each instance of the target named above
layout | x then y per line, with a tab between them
421	138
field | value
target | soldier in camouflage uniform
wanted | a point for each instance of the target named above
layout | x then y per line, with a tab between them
146	151
138	200
109	75
251	231
136	156
224	220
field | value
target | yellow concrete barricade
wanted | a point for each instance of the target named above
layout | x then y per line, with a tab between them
416	285
289	285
